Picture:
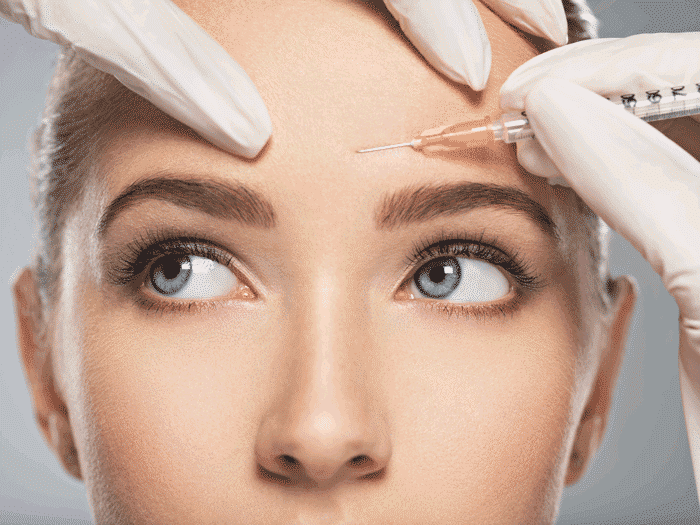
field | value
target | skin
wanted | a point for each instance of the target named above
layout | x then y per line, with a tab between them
320	352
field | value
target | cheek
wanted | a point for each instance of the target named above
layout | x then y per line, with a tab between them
174	402
480	405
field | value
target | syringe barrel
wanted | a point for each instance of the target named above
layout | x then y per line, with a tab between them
511	127
662	104
651	105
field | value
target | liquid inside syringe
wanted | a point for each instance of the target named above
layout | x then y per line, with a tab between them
656	104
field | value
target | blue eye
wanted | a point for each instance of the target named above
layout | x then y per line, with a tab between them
438	278
190	277
460	279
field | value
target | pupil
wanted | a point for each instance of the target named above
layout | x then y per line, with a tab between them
171	268
171	273
439	278
437	274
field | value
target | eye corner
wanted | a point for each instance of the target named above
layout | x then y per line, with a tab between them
403	294
244	291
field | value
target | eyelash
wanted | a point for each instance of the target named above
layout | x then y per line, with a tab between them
130	271
484	248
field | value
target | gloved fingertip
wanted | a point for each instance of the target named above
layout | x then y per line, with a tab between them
249	151
533	158
261	134
556	28
450	35
516	86
558	181
249	145
561	36
475	52
511	101
469	49
477	77
243	132
572	62
472	49
543	18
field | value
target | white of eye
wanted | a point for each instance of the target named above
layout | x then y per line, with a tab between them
207	279
480	282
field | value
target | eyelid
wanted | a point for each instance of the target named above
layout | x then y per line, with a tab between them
477	311
151	301
483	247
135	259
512	283
242	289
520	276
481	312
206	250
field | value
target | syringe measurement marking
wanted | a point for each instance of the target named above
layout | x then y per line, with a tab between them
675	102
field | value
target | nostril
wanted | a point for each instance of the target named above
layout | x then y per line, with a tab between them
289	459
366	468
289	463
360	461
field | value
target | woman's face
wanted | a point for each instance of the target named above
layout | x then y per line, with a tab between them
300	357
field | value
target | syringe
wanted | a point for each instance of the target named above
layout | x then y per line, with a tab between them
656	104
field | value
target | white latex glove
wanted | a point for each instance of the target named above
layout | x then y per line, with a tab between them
451	35
643	185
158	51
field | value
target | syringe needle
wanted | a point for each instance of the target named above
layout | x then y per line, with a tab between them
386	147
466	134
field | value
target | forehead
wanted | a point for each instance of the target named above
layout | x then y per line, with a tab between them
342	71
339	76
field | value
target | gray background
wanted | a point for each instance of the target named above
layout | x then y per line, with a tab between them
642	474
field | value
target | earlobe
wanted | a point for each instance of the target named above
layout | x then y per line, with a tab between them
588	437
49	409
591	429
62	442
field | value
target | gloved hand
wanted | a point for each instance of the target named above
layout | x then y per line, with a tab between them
451	35
643	185
158	51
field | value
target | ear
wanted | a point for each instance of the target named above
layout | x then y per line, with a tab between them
36	356
591	429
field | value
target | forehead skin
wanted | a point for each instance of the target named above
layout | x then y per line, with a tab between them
478	415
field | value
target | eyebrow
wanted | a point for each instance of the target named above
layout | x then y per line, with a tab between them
425	202
222	200
398	209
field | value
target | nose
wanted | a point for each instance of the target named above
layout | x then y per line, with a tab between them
325	426
320	449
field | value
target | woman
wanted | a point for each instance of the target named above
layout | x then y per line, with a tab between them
297	394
